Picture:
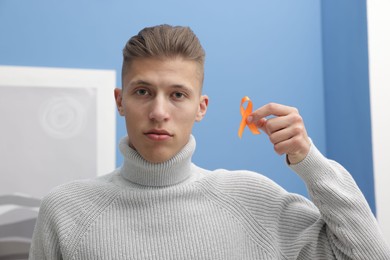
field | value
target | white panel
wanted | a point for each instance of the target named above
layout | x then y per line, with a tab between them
57	125
379	61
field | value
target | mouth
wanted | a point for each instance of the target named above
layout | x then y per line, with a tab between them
158	134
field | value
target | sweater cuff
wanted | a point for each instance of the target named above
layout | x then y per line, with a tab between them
315	167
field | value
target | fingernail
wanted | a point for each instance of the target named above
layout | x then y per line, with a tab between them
249	119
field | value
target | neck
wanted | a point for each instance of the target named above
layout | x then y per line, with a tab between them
174	171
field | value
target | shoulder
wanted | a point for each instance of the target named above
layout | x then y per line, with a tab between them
246	189
69	200
241	181
80	189
253	192
68	210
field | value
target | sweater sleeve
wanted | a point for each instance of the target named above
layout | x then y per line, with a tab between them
45	242
350	226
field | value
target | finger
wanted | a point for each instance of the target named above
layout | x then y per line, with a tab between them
281	136
277	123
271	109
283	147
291	146
259	124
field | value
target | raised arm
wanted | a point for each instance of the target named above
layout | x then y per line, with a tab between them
351	229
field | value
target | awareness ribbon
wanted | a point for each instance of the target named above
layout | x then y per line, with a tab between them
245	113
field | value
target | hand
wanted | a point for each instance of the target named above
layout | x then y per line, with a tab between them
286	130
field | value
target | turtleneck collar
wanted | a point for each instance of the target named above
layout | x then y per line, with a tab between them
137	170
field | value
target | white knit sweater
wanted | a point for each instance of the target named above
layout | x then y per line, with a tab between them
176	210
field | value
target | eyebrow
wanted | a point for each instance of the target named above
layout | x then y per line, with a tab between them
185	88
176	86
140	82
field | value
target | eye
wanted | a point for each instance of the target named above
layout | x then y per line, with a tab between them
178	95
142	92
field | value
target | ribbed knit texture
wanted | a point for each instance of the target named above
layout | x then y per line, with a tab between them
176	210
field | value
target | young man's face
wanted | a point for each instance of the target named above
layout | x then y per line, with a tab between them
160	100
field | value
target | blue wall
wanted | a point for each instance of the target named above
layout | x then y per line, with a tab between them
269	50
347	97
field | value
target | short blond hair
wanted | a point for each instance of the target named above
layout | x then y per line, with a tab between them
164	41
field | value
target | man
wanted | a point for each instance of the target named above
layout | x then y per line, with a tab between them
159	205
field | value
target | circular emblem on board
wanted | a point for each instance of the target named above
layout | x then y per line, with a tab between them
62	117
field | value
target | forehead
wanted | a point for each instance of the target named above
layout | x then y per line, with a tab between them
163	69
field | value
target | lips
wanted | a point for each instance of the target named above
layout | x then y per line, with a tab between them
158	134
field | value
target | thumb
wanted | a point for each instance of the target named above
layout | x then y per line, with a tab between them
260	123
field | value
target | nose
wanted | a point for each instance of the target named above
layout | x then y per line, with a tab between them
159	110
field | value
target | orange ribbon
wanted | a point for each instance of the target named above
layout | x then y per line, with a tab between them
245	113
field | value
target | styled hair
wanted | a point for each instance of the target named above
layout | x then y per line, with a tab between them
164	41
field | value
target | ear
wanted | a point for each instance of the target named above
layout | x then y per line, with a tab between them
204	102
118	100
